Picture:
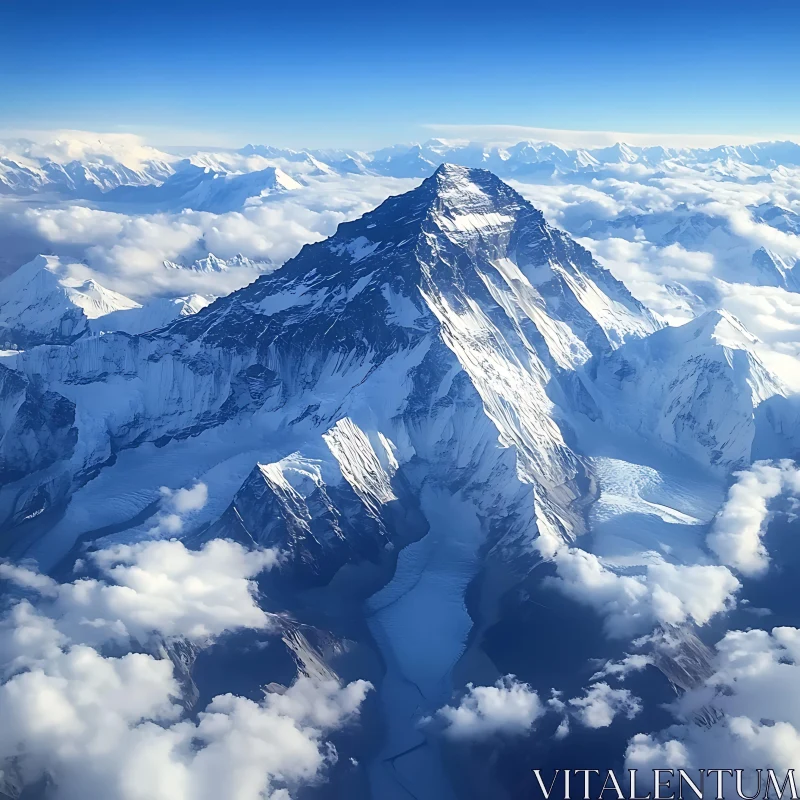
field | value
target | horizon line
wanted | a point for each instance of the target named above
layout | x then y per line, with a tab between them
487	134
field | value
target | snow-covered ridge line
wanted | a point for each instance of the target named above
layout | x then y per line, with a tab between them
26	168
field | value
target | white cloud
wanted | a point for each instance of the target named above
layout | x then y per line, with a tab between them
737	530
27	578
634	662
645	269
646	753
758	234
323	704
509	707
63	146
747	713
598	707
154	588
176	506
772	314
570	205
666	594
185	500
111	728
115	727
126	252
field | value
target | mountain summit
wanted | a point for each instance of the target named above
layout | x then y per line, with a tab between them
462	232
41	303
458	289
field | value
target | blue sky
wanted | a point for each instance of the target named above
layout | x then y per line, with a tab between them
367	74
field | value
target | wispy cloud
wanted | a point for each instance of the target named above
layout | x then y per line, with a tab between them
510	134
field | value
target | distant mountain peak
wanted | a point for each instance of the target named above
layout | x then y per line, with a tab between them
695	386
722	327
212	263
42	303
772	269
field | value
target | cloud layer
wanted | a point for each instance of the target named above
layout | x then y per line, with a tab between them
152	588
126	251
114	726
666	594
598	707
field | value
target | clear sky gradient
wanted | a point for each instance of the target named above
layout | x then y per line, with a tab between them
367	74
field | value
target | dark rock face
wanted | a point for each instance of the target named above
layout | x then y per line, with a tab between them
317	527
72	326
36	426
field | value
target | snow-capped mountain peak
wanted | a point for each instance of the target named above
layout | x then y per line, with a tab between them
206	186
511	253
41	302
721	327
458	289
616	153
95	300
771	269
696	387
212	263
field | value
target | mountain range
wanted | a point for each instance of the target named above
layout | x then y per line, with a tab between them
219	180
416	412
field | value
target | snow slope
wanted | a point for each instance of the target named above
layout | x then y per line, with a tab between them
152	315
40	303
695	388
205	189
